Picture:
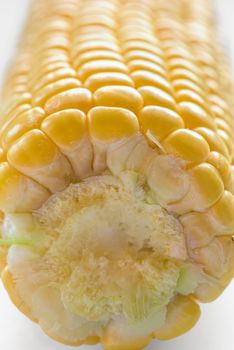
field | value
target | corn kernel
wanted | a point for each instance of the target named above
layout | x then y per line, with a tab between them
188	145
108	124
159	121
36	156
79	98
182	314
119	96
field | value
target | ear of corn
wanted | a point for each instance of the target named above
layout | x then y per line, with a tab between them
116	175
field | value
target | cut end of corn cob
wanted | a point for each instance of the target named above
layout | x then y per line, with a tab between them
116	175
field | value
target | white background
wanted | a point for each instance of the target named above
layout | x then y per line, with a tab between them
215	331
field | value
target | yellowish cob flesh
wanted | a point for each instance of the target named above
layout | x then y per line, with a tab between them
116	174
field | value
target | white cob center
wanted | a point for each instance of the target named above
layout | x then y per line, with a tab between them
106	251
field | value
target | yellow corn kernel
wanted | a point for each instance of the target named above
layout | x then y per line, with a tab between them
205	189
42	95
18	193
45	58
99	66
3	258
22	123
194	116
16	101
53	76
132	35
182	314
119	96
227	140
96	55
60	24
89	36
144	55
108	124
79	98
214	140
143	78
65	128
140	45
47	69
223	167
156	97
88	341
13	114
2	155
136	65
68	130
43	163
180	73
116	339
183	63
188	145
96	19
9	285
159	121
222	210
61	42
219	101
191	96
211	288
224	125
201	228
99	80
185	84
95	45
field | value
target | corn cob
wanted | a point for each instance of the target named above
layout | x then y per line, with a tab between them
116	175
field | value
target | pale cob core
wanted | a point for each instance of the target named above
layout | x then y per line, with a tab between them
116	181
102	229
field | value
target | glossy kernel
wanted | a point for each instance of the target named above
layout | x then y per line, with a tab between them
68	129
99	80
136	65
32	150
188	145
36	156
79	98
144	78
159	121
21	124
98	66
156	97
223	167
96	55
119	96
46	92
109	123
195	116
65	127
215	142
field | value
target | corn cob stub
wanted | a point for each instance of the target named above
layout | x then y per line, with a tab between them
116	175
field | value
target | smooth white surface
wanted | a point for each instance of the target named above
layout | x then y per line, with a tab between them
215	329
